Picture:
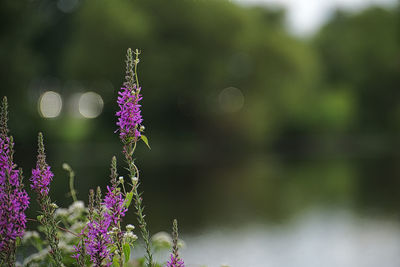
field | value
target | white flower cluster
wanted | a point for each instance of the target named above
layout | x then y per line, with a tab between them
162	240
74	211
129	236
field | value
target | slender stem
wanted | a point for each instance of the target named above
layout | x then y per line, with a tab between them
129	146
175	236
123	188
71	172
133	170
47	209
71	186
50	228
136	63
118	233
136	171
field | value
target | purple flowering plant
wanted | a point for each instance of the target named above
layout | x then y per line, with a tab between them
95	235
175	260
13	198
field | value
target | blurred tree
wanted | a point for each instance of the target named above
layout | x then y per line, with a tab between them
360	53
192	51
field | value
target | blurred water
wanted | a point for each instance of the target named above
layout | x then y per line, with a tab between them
317	239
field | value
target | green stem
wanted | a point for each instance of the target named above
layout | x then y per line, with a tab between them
133	171
136	63
71	172
50	227
71	186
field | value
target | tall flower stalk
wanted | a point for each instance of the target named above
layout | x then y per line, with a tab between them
98	240
114	203
175	260
40	183
130	130
13	198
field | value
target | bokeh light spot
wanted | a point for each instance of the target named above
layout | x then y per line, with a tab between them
90	105
50	104
231	100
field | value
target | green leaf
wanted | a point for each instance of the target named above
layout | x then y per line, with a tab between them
128	199
113	248
145	140
127	251
115	262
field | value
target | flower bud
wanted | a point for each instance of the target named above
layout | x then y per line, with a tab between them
39	218
134	180
130	227
121	179
66	167
130	237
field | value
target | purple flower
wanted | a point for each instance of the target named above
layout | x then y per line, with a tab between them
129	117
7	168
77	252
175	262
97	242
114	203
13	198
96	239
41	178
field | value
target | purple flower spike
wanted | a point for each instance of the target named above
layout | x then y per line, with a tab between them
175	262
41	179
129	117
97	239
114	203
97	242
77	252
42	175
13	198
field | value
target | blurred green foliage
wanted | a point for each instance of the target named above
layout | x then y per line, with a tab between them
319	123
